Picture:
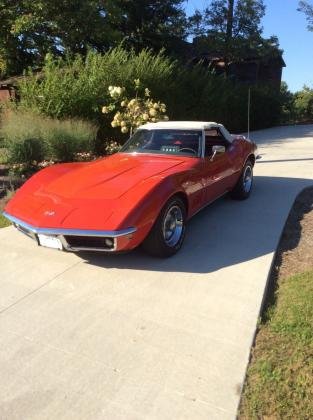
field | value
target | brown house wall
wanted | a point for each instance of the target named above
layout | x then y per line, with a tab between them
4	94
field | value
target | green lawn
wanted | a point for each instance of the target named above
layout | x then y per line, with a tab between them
280	376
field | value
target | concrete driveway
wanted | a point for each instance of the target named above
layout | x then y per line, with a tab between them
131	337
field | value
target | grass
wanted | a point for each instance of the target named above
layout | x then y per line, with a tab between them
4	222
280	377
3	156
30	137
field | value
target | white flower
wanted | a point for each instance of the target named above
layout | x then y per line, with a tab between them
152	112
145	117
147	92
105	110
117	116
114	124
119	91
124	130
132	103
115	91
163	108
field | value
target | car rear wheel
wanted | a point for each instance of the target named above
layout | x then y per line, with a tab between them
167	235
244	185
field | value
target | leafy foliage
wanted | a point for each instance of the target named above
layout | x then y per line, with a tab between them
79	88
157	24
287	101
242	18
32	28
233	29
307	8
303	103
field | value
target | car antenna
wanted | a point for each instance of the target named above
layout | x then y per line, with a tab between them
249	105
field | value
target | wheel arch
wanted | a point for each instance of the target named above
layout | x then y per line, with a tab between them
252	158
183	196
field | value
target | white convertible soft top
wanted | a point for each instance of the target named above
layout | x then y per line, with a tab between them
186	125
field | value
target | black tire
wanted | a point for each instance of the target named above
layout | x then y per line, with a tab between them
244	185
156	243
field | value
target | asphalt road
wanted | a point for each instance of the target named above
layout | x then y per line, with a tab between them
131	337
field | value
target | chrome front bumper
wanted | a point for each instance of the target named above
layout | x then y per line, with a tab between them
73	239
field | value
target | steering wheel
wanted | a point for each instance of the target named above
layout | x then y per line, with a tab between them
189	149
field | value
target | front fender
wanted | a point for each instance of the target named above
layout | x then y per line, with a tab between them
141	208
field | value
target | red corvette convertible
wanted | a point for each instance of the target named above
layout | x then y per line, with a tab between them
144	194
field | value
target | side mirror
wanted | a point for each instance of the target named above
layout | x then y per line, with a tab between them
217	150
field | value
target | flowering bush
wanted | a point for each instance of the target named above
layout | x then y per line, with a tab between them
111	147
131	113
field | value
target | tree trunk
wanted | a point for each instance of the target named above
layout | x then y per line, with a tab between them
230	24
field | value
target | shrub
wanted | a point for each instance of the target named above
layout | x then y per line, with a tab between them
304	104
67	138
28	151
31	138
22	139
78	87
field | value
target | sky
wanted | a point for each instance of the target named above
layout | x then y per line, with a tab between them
283	19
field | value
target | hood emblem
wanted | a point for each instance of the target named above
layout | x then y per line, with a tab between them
49	213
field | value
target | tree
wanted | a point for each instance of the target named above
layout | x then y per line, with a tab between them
155	24
31	28
304	104
229	25
307	8
230	21
287	104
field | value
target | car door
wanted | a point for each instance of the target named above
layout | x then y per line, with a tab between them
218	169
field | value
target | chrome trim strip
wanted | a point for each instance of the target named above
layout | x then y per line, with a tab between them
69	232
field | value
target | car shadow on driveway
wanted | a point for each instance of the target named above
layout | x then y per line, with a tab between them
224	234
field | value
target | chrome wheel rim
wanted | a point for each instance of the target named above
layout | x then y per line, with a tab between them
247	179
173	225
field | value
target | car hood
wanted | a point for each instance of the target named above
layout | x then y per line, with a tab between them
67	195
109	178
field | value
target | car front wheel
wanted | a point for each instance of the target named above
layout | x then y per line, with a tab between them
167	235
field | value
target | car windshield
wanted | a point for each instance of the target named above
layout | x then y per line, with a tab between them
165	142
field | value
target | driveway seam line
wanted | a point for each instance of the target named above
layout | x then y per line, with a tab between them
2	311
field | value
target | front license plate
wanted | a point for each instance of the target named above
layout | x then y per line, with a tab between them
50	241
